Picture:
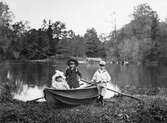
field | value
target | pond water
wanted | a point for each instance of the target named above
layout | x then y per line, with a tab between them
27	80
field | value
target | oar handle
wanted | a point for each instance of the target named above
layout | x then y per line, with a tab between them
86	81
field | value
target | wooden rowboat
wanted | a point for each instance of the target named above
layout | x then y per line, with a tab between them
70	97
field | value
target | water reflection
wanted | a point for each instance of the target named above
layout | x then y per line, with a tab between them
26	93
27	80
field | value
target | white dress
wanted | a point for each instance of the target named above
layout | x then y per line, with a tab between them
60	85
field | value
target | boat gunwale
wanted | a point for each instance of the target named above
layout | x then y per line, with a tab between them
73	89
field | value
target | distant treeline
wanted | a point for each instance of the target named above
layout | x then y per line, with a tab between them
143	39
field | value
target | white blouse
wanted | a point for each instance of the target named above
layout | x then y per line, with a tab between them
101	76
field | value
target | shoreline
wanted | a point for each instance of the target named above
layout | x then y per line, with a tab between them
85	61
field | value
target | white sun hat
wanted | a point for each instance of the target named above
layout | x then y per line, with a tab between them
58	73
102	63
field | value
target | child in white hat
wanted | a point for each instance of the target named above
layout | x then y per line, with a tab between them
101	77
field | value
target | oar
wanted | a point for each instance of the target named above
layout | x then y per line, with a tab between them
34	100
123	94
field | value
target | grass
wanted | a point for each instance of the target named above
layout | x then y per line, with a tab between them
117	110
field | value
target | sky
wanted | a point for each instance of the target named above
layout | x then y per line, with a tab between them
79	15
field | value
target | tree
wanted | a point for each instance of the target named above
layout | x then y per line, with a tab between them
5	19
102	51
154	26
55	31
141	24
6	15
142	32
18	31
78	46
92	43
72	45
35	45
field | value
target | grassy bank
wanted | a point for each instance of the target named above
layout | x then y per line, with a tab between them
116	110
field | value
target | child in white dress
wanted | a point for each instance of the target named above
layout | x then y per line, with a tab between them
59	82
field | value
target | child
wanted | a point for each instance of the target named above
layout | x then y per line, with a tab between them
72	74
101	77
58	81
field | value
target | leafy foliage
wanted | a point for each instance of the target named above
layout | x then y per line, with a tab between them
93	44
139	40
143	39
